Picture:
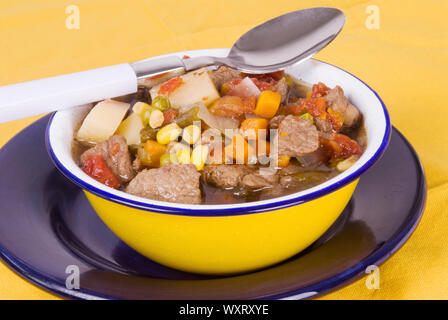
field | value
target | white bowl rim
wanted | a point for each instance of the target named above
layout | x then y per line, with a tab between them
87	183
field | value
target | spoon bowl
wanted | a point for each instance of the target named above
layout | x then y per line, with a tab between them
286	40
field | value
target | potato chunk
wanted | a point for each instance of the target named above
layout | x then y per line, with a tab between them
130	128
196	86
102	121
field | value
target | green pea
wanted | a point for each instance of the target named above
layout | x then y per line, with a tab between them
162	103
146	115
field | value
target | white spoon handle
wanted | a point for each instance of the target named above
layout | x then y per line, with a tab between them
41	96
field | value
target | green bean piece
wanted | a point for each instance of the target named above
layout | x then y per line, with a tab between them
289	81
148	133
187	118
162	103
143	155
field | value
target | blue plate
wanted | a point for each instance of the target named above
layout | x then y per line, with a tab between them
47	226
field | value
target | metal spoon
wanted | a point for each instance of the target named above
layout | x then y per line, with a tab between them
270	46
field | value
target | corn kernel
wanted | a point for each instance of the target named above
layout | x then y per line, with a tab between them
156	119
347	163
183	155
168	133
139	106
199	156
191	134
307	116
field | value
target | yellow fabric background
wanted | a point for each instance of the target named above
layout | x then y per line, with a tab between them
406	61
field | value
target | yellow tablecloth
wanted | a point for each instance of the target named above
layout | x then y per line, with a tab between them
405	60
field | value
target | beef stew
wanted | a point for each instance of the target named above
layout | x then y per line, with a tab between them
220	137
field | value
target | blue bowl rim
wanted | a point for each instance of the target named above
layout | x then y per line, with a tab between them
274	205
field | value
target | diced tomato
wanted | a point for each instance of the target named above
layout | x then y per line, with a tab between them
233	106
265	81
319	90
186	57
295	109
169	116
249	104
264	85
267	77
277	75
170	86
157	76
228	87
341	146
95	166
315	106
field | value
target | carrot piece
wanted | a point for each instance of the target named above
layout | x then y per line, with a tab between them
239	149
283	161
268	103
336	119
151	153
263	148
250	128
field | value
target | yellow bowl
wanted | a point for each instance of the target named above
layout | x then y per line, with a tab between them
224	239
225	244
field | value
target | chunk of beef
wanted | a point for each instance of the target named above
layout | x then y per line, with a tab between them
258	180
338	102
116	154
173	183
137	165
323	125
226	175
293	167
223	75
275	122
314	159
282	88
297	136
